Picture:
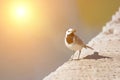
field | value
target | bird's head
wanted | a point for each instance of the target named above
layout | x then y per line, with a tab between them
70	31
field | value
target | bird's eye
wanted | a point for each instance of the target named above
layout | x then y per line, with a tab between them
68	31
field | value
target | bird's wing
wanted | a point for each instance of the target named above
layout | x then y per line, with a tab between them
78	41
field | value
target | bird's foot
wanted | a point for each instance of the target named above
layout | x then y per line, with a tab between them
70	59
74	59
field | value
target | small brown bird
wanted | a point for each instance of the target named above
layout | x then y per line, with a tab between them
73	42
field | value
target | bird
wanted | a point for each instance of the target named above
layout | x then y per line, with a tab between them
73	42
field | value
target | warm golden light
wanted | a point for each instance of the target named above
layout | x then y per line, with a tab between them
21	11
26	16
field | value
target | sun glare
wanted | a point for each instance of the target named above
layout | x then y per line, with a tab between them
20	12
25	14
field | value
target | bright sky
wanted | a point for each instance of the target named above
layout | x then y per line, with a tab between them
22	12
25	16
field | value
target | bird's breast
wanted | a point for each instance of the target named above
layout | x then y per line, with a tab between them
74	46
69	39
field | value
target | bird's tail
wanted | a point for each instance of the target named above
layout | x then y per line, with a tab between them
89	47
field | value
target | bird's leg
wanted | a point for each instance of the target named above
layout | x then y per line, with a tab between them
79	54
71	58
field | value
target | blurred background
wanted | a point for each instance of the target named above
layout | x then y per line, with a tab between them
32	33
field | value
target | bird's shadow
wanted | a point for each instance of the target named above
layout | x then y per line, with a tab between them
95	56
